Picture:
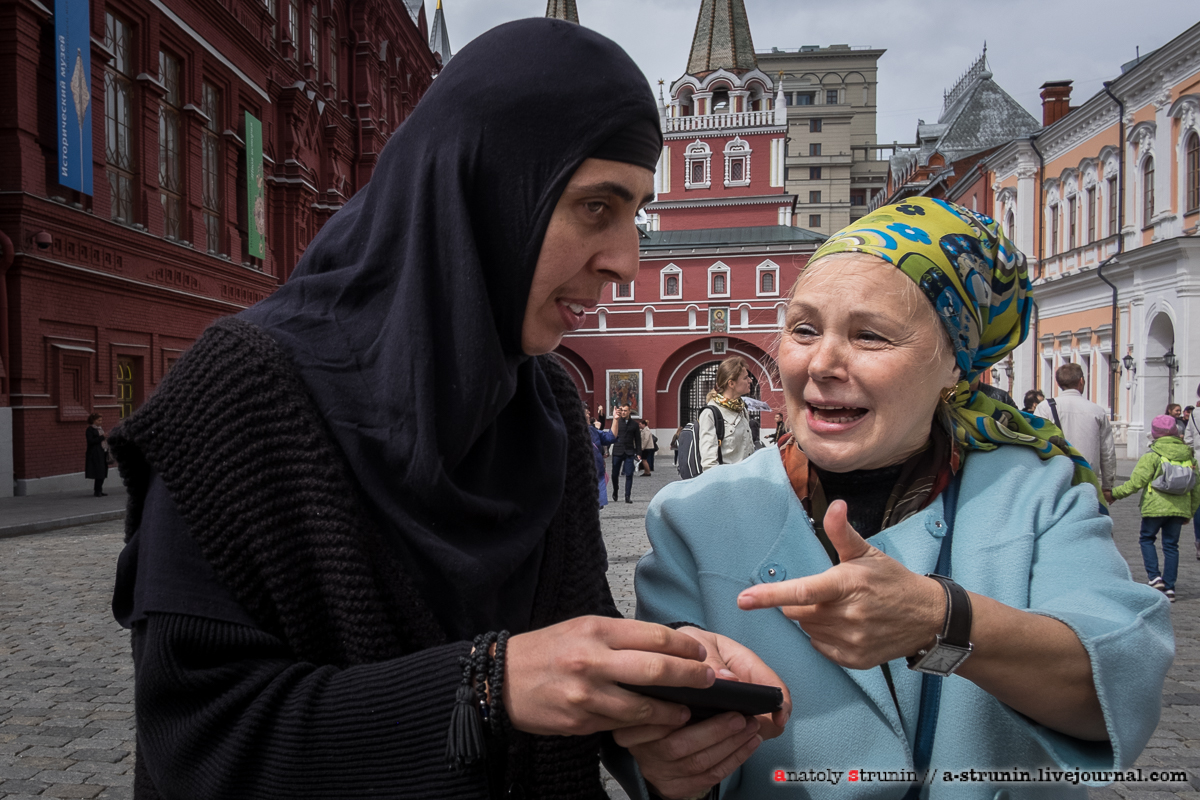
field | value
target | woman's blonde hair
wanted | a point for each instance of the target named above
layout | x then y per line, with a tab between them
729	371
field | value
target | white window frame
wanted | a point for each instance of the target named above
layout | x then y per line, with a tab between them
664	273
632	292
766	266
697	151
719	267
735	149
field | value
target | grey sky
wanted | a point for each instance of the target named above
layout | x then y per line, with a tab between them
929	42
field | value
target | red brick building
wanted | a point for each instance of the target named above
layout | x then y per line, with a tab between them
100	294
718	252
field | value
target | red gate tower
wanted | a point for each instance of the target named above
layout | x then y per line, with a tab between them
718	251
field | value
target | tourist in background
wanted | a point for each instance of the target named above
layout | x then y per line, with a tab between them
601	439
1176	410
95	462
626	448
675	446
994	392
1084	424
649	448
1160	510
1191	437
1032	398
733	383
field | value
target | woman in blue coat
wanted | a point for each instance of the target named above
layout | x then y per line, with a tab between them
930	572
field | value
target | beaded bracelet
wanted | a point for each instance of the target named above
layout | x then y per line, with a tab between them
498	716
479	699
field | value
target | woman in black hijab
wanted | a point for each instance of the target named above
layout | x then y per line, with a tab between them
325	507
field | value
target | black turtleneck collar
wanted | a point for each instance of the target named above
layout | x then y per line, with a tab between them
866	492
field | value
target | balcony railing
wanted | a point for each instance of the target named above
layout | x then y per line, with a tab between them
1082	257
711	122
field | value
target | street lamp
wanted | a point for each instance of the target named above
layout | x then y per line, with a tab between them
1128	362
995	376
1008	369
1172	365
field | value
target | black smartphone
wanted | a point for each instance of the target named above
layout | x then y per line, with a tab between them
750	699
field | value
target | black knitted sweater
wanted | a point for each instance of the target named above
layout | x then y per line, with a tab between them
344	687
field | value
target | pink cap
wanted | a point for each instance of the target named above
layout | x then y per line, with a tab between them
1164	425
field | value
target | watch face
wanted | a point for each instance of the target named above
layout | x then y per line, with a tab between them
942	659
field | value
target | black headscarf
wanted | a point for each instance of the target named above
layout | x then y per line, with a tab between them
404	316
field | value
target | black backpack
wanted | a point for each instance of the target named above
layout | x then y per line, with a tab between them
689	444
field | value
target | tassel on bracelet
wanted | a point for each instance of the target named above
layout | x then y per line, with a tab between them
482	674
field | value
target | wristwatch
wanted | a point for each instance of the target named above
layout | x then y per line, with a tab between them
953	644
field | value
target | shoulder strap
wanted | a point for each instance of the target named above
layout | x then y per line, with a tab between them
719	425
931	685
1054	411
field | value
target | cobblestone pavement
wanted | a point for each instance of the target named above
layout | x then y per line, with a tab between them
66	679
66	692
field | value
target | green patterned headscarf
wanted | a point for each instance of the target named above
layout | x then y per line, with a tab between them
979	286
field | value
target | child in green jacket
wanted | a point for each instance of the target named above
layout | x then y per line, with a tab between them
1160	510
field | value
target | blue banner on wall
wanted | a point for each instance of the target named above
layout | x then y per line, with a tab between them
73	70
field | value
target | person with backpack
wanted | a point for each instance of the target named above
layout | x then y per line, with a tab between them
649	448
1084	424
1167	474
736	441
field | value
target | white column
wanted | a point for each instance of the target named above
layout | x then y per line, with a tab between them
1131	229
1026	214
1164	168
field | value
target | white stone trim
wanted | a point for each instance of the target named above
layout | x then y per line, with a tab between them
735	149
697	151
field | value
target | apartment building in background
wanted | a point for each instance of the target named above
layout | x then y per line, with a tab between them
832	165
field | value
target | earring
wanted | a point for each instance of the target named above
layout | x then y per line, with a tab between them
948	394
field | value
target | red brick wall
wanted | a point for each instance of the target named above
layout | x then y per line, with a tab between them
667	355
719	217
101	290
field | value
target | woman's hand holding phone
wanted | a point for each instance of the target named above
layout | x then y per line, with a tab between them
683	762
562	679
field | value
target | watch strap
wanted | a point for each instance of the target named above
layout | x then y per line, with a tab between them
956	630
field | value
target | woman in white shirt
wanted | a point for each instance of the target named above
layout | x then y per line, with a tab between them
733	382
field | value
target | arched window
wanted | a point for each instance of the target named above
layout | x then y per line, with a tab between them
671	277
1054	241
718	280
1147	191
1010	226
1193	172
768	283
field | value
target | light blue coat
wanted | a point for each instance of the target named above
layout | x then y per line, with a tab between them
1023	536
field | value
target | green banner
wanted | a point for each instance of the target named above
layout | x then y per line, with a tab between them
256	203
